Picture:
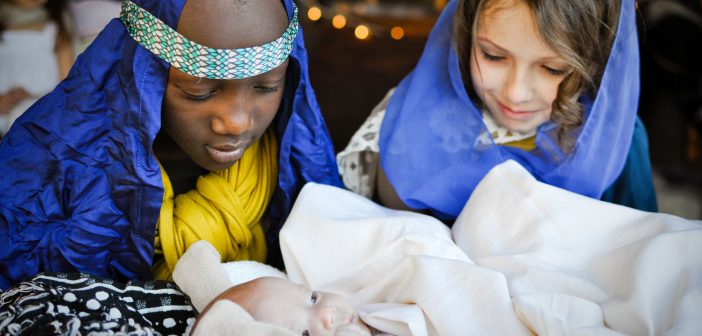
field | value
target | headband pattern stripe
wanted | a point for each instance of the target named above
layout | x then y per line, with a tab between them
200	61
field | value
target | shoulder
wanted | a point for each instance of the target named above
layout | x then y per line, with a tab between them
358	162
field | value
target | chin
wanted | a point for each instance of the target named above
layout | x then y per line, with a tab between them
217	166
209	165
516	126
522	128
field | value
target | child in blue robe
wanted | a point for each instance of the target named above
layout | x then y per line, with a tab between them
553	85
183	120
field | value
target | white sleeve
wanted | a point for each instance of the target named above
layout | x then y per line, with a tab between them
358	162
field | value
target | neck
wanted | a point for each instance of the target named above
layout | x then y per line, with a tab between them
166	149
182	171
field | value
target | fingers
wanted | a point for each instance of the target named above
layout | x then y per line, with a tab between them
6	104
18	94
11	99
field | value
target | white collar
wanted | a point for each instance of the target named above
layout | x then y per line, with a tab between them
501	135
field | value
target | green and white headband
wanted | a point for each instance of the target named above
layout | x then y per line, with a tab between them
198	60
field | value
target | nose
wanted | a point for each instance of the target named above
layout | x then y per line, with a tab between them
233	119
331	317
518	86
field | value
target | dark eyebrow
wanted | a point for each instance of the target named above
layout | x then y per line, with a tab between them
493	44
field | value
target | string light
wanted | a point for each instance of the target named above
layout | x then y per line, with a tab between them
361	32
314	13
397	33
359	16
339	21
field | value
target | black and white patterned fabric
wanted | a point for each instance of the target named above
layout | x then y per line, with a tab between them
81	304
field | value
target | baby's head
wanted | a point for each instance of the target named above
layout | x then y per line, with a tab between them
251	298
295	307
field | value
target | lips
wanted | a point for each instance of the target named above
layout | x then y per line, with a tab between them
226	153
515	114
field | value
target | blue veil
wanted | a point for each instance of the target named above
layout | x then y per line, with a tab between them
81	188
432	141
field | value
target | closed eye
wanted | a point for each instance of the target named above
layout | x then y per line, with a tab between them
266	89
556	72
491	57
200	97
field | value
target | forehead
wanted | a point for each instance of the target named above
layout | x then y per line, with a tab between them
511	25
273	285
281	302
231	24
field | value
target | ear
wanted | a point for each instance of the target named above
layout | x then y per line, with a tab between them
201	261
227	318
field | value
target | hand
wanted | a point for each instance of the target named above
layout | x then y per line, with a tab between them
11	98
18	93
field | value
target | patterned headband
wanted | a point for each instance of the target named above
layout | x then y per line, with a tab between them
198	60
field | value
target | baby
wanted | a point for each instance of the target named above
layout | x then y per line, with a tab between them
261	301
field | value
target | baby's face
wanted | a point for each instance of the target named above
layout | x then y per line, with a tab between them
305	311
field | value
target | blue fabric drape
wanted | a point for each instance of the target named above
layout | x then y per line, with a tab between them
80	188
634	187
432	143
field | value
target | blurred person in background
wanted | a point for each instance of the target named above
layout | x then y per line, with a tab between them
35	53
89	18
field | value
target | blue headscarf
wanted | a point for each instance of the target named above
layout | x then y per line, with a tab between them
81	187
431	146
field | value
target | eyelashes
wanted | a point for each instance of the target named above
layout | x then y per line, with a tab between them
491	57
199	98
557	72
266	89
314	297
259	89
550	70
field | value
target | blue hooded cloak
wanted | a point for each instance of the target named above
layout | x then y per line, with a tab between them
81	187
434	151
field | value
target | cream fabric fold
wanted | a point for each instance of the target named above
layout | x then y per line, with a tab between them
341	242
528	258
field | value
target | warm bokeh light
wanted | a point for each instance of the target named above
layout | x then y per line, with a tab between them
361	32
397	33
338	21
314	13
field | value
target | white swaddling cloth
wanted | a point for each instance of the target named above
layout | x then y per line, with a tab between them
577	265
532	258
400	269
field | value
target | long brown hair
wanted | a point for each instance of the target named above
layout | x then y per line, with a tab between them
567	27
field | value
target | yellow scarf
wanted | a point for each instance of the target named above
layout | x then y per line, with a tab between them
225	209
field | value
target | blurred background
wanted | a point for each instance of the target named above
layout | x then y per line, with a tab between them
359	49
